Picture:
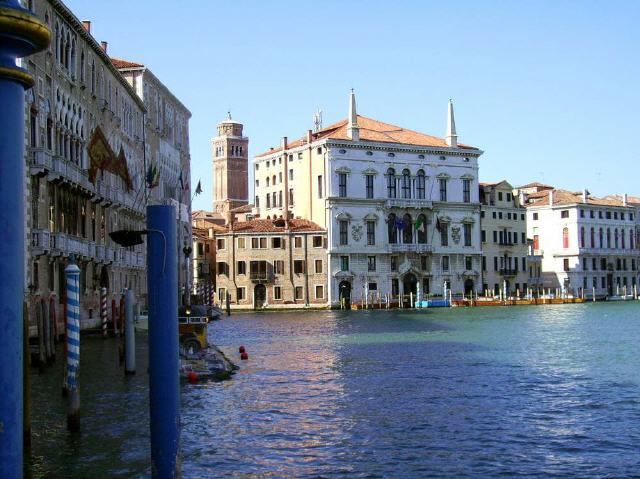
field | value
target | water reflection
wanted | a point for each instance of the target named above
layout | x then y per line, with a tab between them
544	391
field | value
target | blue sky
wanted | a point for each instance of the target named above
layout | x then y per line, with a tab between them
548	89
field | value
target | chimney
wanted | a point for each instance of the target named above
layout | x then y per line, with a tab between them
87	25
104	46
229	219
284	143
625	200
521	197
210	232
585	195
551	192
309	136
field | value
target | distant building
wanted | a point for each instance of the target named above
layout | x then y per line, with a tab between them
230	151
270	263
504	240
587	244
401	208
167	147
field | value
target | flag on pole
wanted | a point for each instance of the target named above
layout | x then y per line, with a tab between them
153	176
181	181
198	188
438	225
399	224
419	224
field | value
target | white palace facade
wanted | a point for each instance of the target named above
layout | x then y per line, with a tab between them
401	208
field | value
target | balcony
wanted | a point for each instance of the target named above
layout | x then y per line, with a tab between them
40	242
505	243
508	272
410	248
69	172
261	277
39	161
408	203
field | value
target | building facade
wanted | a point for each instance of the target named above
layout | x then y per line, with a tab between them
401	208
272	263
84	165
167	149
504	241
588	245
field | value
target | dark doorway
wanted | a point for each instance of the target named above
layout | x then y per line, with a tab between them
410	284
468	287
259	296
344	292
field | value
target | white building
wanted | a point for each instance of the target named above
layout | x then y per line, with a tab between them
504	240
586	243
401	208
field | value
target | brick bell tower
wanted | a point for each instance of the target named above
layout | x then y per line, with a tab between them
230	151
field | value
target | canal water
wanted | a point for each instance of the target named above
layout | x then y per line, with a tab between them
538	391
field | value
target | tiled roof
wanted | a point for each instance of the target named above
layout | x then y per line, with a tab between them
564	197
120	63
535	184
274	226
373	131
242	209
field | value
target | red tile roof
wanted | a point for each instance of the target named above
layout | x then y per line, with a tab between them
373	131
120	63
274	226
564	197
243	209
535	184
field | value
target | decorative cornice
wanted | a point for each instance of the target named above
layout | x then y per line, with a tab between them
405	149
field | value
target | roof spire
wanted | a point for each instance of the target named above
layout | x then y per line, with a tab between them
452	138
228	114
353	132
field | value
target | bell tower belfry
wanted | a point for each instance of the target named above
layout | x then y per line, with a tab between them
230	151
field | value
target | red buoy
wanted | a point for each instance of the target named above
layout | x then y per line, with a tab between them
192	377
241	349
244	356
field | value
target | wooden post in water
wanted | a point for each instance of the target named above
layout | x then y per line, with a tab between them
103	311
40	324
114	317
26	384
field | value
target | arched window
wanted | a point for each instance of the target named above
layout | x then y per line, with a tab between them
273	199
601	238
406	184
421	228
391	228
582	237
622	239
420	185
391	183
630	239
593	237
273	180
608	237
565	237
615	237
268	181
407	232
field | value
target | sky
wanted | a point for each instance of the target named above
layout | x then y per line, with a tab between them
549	90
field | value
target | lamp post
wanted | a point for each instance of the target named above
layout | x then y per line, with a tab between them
21	34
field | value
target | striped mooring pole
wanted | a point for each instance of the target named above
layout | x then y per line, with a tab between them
103	311
21	34
72	274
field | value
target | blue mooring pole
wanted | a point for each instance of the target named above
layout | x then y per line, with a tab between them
21	34
164	381
72	274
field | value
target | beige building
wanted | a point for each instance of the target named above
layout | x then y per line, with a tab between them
84	165
167	148
504	240
267	263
